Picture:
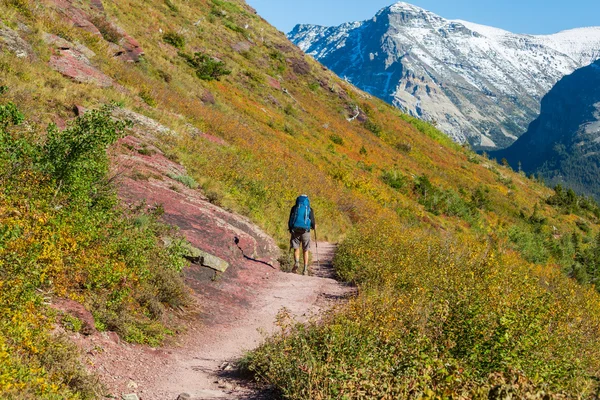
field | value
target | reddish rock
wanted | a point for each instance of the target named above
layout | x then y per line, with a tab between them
79	110
63	44
128	49
274	83
73	64
60	123
213	139
75	15
208	97
197	133
97	5
241	47
300	66
205	226
131	49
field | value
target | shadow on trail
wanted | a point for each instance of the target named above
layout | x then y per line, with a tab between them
322	260
236	240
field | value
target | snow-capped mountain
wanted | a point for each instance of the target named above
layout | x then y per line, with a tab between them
477	83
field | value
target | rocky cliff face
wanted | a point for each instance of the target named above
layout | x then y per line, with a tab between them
476	83
563	143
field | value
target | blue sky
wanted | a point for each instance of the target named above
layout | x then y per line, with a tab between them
519	16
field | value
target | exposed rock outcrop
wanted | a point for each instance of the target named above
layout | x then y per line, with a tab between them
219	236
12	41
75	65
93	20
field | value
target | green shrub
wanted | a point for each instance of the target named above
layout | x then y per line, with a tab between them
233	26
394	179
174	39
74	241
404	147
531	245
313	86
439	201
76	157
185	179
172	6
373	127
108	30
206	67
337	139
226	6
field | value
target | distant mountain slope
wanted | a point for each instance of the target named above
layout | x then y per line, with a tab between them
477	83
563	143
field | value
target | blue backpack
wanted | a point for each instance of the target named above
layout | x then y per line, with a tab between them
301	217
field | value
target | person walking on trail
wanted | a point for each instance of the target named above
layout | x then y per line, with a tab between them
301	221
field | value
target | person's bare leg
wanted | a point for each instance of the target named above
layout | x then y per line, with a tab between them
305	262
296	260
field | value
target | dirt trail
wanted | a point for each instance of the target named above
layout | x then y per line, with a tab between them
200	367
201	363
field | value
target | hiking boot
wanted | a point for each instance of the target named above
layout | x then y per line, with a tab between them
305	272
295	267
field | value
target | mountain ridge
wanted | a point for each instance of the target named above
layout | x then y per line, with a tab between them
562	144
477	83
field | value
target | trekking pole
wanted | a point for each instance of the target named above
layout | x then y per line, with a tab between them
317	248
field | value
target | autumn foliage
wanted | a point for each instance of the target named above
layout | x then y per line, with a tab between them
440	317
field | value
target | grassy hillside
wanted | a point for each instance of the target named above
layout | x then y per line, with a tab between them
256	123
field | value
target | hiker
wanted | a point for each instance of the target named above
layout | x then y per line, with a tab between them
302	220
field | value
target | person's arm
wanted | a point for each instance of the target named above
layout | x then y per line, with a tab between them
313	223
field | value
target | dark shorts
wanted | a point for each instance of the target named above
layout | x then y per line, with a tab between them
300	237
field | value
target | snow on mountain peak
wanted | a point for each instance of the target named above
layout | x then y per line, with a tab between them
484	30
479	83
402	6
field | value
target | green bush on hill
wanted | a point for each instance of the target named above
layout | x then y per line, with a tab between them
206	67
64	234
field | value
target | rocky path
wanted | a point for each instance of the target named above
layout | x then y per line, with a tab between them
202	363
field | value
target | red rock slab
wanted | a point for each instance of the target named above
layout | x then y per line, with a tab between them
73	64
97	5
75	15
205	225
132	50
274	83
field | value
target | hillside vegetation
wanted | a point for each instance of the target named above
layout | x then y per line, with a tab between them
464	267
